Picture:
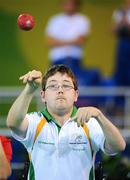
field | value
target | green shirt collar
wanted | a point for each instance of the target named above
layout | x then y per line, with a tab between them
49	117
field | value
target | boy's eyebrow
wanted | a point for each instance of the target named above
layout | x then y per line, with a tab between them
57	81
52	81
67	81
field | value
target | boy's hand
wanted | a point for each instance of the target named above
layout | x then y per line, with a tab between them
33	78
85	113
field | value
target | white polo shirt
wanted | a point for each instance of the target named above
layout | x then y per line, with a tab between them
65	27
61	153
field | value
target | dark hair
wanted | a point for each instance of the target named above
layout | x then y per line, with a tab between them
61	69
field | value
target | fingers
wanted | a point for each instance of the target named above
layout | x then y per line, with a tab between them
79	120
31	76
76	120
84	114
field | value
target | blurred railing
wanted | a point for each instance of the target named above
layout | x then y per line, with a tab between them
106	98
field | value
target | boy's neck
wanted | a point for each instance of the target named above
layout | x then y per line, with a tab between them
61	119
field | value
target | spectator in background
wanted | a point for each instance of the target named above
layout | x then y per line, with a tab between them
66	34
5	157
121	29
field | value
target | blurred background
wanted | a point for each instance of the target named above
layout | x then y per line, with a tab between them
28	49
21	51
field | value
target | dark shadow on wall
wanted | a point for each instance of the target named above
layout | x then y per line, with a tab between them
12	62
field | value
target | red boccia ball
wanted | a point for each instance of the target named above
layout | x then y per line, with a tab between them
25	21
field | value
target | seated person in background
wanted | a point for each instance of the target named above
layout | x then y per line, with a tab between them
66	35
5	157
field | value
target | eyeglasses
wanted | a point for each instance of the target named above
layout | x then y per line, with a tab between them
55	87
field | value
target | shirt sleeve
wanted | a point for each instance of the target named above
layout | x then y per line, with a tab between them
33	119
51	25
6	143
85	25
96	135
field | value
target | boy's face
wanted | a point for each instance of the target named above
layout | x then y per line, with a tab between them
60	94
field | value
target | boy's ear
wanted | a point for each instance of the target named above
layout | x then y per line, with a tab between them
76	95
42	94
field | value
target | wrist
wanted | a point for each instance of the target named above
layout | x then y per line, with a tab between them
30	88
100	116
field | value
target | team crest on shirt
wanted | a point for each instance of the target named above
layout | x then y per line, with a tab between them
78	139
78	142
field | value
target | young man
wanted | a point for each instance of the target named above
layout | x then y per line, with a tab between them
61	140
66	35
5	157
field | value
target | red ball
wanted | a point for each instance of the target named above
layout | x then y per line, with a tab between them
25	21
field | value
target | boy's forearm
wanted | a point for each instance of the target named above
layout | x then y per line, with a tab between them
114	139
19	108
